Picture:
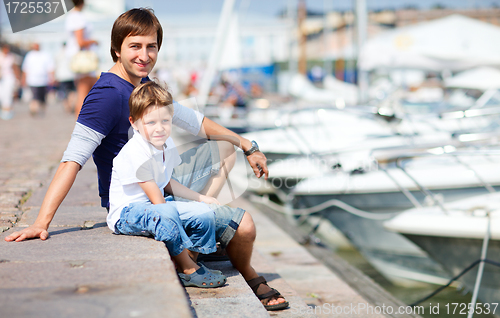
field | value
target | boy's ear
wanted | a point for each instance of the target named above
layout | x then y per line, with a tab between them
132	123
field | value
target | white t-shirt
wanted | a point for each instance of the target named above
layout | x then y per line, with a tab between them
138	161
75	20
37	65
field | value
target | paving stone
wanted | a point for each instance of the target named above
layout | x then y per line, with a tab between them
67	215
9	211
11	219
5	223
73	243
153	300
86	272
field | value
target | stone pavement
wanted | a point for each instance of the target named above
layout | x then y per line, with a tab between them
29	149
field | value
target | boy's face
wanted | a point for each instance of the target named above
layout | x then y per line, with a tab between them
155	125
137	57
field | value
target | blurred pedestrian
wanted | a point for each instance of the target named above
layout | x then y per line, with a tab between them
10	75
79	39
65	80
37	74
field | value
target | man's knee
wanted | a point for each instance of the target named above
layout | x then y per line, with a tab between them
246	230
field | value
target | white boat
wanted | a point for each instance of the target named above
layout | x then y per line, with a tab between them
399	186
406	182
318	130
454	236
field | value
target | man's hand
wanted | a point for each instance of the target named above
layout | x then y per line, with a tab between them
28	233
258	162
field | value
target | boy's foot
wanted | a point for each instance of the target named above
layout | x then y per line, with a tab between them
209	269
202	278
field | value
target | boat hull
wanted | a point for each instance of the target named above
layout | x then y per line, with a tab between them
386	201
395	257
455	254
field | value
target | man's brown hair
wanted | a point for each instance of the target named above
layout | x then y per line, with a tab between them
139	21
148	94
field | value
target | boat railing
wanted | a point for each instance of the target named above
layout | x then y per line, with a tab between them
399	161
469	113
455	137
287	122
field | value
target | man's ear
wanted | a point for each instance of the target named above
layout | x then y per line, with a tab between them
132	123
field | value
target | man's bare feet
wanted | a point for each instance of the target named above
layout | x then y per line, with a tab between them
269	297
263	288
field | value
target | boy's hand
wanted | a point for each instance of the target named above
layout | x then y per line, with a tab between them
28	233
208	200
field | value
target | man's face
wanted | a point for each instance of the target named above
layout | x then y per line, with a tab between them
137	57
155	125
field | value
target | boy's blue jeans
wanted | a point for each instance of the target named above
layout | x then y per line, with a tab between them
179	225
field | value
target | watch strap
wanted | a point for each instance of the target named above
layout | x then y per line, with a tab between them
253	149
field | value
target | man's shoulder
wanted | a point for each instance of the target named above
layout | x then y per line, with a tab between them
109	80
110	86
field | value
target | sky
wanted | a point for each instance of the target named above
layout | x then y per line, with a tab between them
273	7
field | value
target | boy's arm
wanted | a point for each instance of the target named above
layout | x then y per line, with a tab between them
58	189
152	191
179	190
257	160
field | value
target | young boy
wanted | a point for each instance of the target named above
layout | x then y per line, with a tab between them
141	172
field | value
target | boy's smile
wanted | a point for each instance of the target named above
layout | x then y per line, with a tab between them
155	125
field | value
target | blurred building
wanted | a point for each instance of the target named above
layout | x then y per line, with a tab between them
51	35
251	40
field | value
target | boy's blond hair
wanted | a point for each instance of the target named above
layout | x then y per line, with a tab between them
149	94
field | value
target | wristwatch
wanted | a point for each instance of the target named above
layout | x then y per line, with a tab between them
254	148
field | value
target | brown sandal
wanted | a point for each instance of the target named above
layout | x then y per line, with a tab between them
273	294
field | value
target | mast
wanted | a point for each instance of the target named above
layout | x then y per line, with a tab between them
216	53
361	31
301	15
327	32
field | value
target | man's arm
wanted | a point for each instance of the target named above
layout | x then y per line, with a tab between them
58	189
257	160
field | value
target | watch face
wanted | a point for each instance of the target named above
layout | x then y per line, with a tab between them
254	144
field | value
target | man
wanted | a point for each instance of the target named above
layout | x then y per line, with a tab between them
102	129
